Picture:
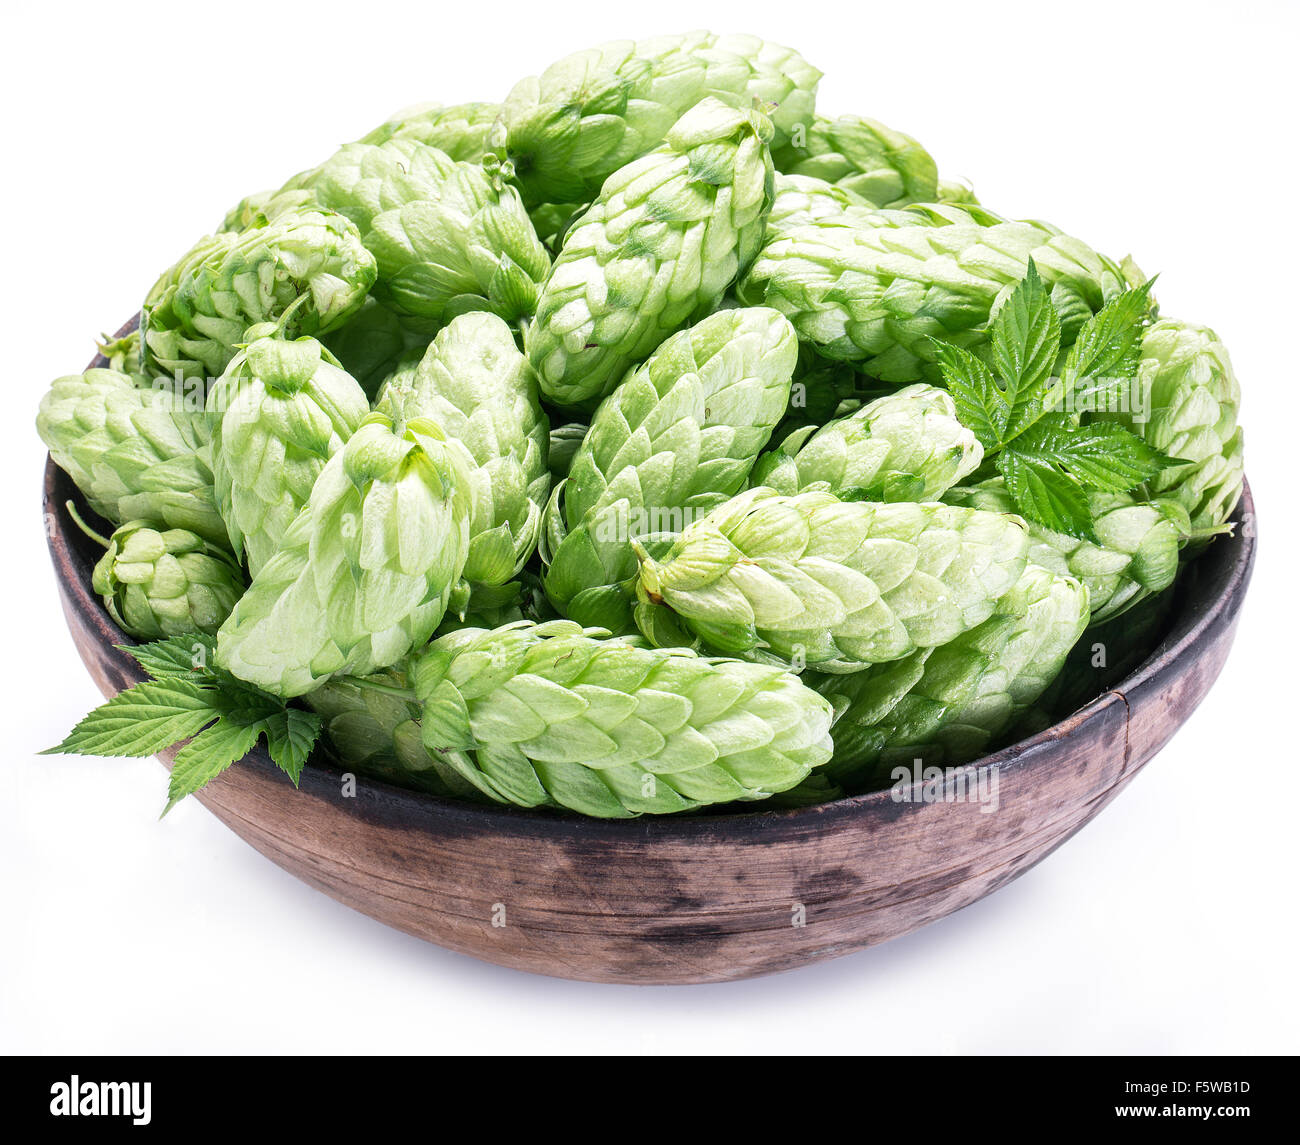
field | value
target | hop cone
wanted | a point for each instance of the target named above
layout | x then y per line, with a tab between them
551	715
946	705
802	200
362	725
462	131
661	245
461	240
874	288
907	446
834	585
593	112
377	732
1190	397
1136	557
959	194
265	207
364	572
678	436
279	413
363	180
197	313
475	383
123	355
886	168
159	583
136	453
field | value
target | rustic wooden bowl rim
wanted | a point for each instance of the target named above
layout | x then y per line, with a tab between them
57	487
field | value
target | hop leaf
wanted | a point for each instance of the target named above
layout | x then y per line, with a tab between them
1050	463
186	699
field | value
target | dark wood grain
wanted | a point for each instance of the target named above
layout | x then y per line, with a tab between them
703	898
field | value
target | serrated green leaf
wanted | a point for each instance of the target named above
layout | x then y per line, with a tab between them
187	698
1103	456
981	405
1046	496
142	720
1025	341
1091	393
246	705
207	755
176	656
1110	342
290	738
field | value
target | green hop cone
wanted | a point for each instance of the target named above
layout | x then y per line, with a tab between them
363	180
875	288
166	582
264	207
885	168
364	572
462	131
474	382
196	315
1188	398
947	705
660	246
376	731
906	446
801	200
835	585
677	437
962	194
280	411
448	236
552	715
593	112
362	725
1113	650
136	453
461	241
1136	554
124	355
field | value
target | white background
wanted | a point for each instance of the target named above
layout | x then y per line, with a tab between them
1168	925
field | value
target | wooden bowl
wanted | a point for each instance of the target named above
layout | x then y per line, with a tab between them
705	898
